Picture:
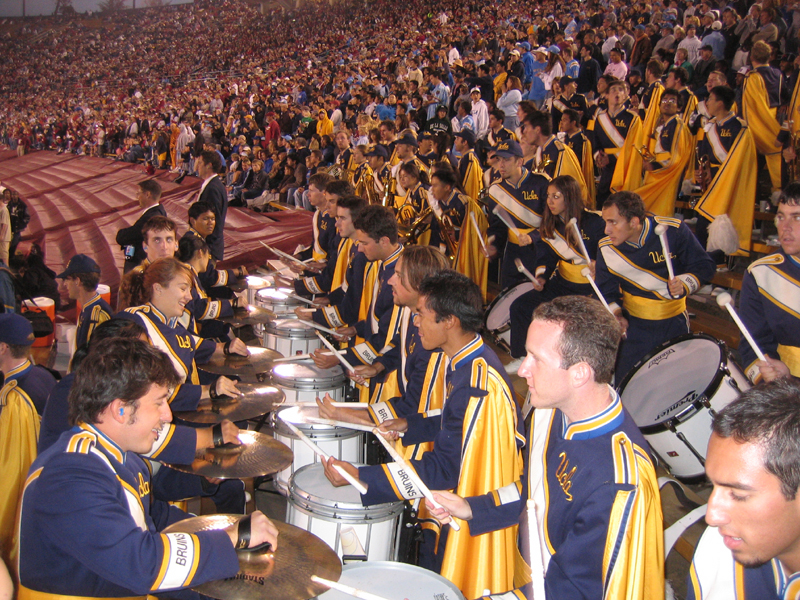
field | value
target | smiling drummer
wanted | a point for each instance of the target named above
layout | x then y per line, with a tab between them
89	524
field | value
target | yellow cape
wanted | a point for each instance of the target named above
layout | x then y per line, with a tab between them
652	114
568	164
733	189
660	188
628	171
764	127
470	259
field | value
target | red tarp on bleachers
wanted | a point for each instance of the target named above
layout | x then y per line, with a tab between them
78	203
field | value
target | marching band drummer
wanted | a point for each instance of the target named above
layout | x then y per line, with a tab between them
202	220
156	298
770	301
89	524
559	258
596	531
476	438
449	200
632	275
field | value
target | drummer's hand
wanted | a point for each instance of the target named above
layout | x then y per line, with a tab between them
304	313
238	347
324	361
524	239
294	267
261	530
316	266
226	387
391	427
676	288
623	322
350	415
773	369
592	269
491	251
283	282
538	283
242	272
322	301
333	475
345	333
364	372
230	435
451	505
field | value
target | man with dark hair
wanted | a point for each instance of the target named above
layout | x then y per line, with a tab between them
750	549
469	167
213	192
202	219
587	463
81	278
678	79
476	438
130	238
160	239
650	103
22	401
579	143
497	131
770	302
632	275
87	509
670	146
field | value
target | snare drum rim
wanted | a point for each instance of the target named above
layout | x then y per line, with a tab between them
695	406
398	566
315	431
322	384
499	298
298	333
336	511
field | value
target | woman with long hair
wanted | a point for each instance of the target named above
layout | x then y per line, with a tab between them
560	260
409	177
156	298
509	102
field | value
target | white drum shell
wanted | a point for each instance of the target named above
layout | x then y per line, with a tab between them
343	444
302	381
681	374
498	314
322	509
276	300
290	337
395	581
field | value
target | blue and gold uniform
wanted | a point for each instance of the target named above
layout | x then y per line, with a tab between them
561	160
650	109
211	277
634	276
324	227
770	308
207	312
559	261
90	527
762	94
322	283
476	442
524	202
471	174
94	312
33	381
183	348
617	136
455	207
346	300
599	518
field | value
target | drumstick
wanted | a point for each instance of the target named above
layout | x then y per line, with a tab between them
661	232
344	424
359	405
341	358
299	357
573	222
320	327
321	453
478	231
524	270
499	212
724	299
300	298
346	589
588	274
411	473
282	254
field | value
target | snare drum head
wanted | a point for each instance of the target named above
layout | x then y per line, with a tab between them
499	312
671	378
310	482
306	372
394	581
291	328
274	294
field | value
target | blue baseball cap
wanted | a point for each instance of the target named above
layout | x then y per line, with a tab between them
379	150
80	263
508	148
15	330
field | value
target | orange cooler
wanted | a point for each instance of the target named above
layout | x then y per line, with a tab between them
42	305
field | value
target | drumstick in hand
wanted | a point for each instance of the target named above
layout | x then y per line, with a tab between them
724	299
524	270
474	222
573	222
661	232
588	274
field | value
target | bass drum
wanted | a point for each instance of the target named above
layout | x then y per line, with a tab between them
498	316
674	392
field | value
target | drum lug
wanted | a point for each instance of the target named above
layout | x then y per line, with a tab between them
687	443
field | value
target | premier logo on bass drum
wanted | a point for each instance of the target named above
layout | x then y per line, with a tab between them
687	399
663	356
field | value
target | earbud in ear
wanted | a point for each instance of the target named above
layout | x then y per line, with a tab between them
121	412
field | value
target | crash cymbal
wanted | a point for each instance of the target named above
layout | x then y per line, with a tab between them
285	573
250	369
251	282
257	455
256	400
249	315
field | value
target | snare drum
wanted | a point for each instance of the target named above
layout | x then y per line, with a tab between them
498	315
303	381
290	337
673	393
343	444
278	301
395	581
337	517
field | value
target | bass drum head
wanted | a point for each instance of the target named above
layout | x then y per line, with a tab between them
498	314
670	379
394	581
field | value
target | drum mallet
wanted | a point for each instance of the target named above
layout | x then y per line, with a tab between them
661	232
588	274
324	456
474	222
411	473
499	212
524	270
345	424
341	358
724	299
346	589
573	222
